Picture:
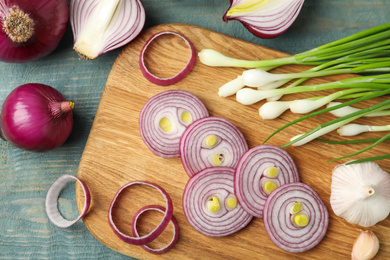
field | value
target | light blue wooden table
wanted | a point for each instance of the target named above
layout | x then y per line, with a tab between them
25	232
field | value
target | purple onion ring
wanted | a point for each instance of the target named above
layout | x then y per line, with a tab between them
51	203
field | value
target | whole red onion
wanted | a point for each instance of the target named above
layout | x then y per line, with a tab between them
31	29
36	117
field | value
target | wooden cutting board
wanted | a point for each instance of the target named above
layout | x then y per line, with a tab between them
115	153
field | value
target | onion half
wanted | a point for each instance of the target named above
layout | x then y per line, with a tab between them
251	176
265	19
51	203
172	80
173	221
157	231
164	118
213	182
211	141
278	218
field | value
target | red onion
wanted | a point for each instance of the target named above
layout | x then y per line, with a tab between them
282	211
139	241
259	170
211	141
174	223
36	117
51	202
164	118
265	19
211	183
172	80
101	26
31	29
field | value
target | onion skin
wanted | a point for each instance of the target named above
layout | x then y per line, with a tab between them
50	18
32	118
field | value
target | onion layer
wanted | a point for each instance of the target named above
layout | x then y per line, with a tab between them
279	218
209	142
164	118
51	202
209	183
172	80
265	19
157	231
174	223
258	167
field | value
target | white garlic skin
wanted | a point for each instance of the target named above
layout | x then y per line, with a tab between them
366	246
360	193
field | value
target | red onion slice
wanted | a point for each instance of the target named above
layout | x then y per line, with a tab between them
178	108
209	142
278	219
172	80
213	182
139	241
173	221
251	175
51	203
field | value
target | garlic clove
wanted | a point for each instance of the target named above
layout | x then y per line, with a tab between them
366	246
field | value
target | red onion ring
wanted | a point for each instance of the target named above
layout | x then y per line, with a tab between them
51	203
278	223
173	221
216	181
139	241
172	80
169	104
230	144
249	175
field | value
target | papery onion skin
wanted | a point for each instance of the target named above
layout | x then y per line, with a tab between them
32	118
50	18
172	80
170	103
195	157
209	182
249	172
279	226
267	23
174	223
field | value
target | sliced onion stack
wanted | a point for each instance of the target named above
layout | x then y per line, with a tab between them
210	142
295	217
259	171
210	205
164	118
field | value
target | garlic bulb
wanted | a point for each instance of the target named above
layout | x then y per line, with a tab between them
360	193
366	246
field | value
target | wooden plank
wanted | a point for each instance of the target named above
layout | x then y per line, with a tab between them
115	153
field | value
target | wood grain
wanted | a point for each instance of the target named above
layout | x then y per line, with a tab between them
115	153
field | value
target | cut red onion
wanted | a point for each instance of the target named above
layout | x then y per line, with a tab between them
265	19
101	26
174	223
213	183
139	241
209	142
164	118
279	223
51	202
261	166
172	80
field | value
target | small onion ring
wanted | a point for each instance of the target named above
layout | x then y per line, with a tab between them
168	104
172	80
174	223
139	241
277	219
215	181
195	157
51	203
249	173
